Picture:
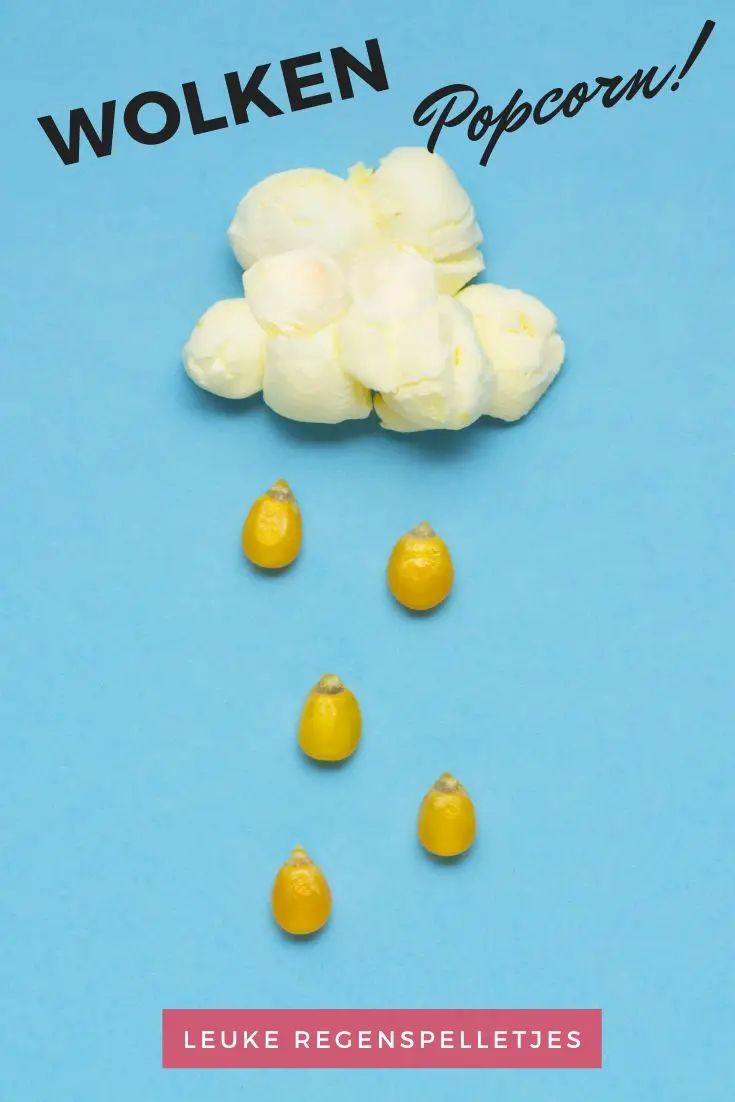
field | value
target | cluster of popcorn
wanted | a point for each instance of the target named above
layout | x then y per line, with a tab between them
356	298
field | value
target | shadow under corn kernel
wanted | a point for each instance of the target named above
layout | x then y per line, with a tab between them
296	939
314	766
459	859
269	572
418	613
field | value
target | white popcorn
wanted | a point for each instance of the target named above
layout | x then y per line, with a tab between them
390	279
456	384
225	353
305	380
454	396
301	208
391	419
402	349
518	334
414	346
417	200
455	271
356	296
389	336
299	291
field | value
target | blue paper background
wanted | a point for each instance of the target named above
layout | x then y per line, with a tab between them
580	679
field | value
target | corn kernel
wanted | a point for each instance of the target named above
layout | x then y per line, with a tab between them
331	724
420	571
301	898
446	824
271	535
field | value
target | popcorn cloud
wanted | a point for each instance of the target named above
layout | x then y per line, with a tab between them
358	296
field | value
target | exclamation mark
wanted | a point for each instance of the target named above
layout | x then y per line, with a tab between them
696	51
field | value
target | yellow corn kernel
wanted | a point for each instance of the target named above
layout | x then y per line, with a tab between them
330	724
301	898
271	535
446	818
420	571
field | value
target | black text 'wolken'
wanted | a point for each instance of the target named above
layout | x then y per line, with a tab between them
265	89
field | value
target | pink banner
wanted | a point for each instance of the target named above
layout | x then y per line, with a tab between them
382	1038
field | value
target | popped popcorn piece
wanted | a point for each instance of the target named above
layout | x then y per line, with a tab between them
389	336
225	353
305	380
457	389
455	271
386	355
299	291
417	200
301	208
390	279
391	419
518	334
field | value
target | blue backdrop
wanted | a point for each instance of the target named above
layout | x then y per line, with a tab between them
580	679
